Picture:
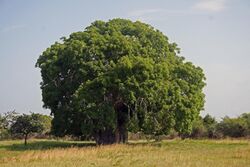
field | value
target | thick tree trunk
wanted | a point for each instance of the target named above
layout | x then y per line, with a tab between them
25	139
121	131
105	137
120	135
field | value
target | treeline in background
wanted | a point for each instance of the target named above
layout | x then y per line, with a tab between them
16	126
208	127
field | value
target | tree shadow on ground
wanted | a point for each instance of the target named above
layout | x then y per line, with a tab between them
45	145
146	143
53	144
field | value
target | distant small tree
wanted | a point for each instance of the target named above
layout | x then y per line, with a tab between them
3	131
27	124
210	123
246	118
6	120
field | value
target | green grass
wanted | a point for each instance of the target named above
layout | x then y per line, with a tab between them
188	153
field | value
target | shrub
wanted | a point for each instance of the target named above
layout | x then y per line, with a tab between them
198	129
233	127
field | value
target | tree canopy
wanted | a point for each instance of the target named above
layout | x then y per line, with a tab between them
117	76
27	124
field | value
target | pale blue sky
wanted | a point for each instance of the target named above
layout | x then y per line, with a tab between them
213	34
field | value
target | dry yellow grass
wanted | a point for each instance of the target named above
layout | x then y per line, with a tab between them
188	153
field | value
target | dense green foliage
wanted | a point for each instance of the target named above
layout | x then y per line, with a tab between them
117	76
46	123
208	127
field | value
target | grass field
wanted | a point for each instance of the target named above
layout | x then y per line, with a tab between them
186	153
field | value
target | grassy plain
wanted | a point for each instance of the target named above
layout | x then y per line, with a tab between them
170	153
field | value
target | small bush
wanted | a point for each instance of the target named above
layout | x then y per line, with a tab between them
198	129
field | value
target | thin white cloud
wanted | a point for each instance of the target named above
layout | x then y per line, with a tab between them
210	5
158	14
137	13
12	28
146	12
194	9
